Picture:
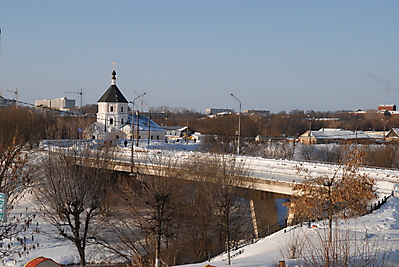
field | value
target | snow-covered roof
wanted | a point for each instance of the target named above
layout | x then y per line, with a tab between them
330	130
393	133
396	130
388	112
376	134
175	128
143	124
332	133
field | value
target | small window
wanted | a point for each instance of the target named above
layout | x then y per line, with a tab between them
152	137
111	109
122	109
157	137
121	121
111	121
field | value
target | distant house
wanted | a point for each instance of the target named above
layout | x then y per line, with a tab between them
378	136
329	135
177	132
261	112
388	110
389	107
218	111
393	135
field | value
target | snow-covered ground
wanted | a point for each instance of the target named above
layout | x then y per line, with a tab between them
381	227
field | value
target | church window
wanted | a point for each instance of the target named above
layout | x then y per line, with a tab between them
111	109
122	109
121	121
111	121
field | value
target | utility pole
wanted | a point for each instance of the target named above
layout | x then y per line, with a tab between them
148	123
239	125
187	128
80	95
138	126
149	126
132	132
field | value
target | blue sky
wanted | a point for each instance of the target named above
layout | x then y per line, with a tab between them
275	55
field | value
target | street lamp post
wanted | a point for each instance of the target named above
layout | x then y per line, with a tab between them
149	123
239	125
132	133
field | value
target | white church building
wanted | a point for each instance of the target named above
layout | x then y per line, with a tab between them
114	119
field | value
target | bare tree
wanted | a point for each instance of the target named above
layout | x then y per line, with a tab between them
277	149
72	196
383	156
343	194
20	128
227	176
177	210
149	210
225	129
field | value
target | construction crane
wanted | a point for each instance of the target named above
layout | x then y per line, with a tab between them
80	95
16	94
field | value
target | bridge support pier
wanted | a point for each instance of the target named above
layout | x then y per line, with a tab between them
264	214
264	211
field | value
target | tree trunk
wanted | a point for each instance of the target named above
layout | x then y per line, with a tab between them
82	255
228	247
158	251
330	225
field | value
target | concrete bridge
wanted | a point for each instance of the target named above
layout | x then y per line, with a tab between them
267	180
270	182
261	192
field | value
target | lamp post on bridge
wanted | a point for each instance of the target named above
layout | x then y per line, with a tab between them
239	125
149	123
132	133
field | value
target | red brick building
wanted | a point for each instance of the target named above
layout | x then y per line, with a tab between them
389	107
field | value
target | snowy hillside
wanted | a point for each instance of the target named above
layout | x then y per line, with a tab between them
381	227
